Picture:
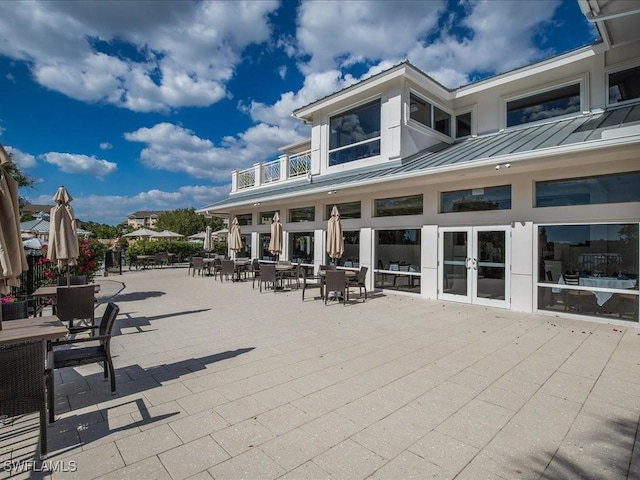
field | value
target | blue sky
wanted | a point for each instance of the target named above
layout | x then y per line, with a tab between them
149	105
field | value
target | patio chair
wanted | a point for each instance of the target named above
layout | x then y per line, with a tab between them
197	266
268	275
76	304
255	268
21	384
73	280
310	281
99	350
228	269
133	261
336	281
217	266
360	281
578	300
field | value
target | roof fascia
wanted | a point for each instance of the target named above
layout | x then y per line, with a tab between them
491	161
534	69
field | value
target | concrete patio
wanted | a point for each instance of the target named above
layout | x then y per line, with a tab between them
216	380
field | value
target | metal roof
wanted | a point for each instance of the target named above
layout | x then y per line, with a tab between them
584	130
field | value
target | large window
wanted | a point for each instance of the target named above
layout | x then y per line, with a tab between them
246	246
599	189
245	219
303	214
388	207
589	269
301	247
355	134
545	105
397	256
263	245
347	210
624	85
351	255
429	115
475	199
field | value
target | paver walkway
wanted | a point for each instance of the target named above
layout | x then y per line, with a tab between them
216	380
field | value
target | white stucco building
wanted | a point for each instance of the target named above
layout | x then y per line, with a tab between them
495	193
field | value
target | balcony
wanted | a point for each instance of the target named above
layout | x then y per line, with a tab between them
284	168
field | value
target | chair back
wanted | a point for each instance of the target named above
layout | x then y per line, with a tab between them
362	274
198	263
335	281
255	265
108	318
75	303
73	280
328	267
268	273
549	276
227	267
571	279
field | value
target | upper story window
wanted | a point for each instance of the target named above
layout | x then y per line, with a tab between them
266	217
388	207
463	125
355	134
624	85
304	214
347	210
544	105
476	199
429	115
245	219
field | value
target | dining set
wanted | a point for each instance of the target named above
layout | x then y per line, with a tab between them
32	348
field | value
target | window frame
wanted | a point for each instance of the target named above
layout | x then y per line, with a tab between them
308	207
470	111
353	108
433	105
581	81
471	189
617	69
375	213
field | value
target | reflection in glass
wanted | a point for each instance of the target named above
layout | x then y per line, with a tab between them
301	247
623	85
476	199
351	256
304	214
263	244
359	126
246	246
550	104
491	264
245	219
463	125
599	189
387	207
397	254
266	217
454	269
347	210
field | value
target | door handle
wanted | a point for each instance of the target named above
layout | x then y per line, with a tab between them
466	263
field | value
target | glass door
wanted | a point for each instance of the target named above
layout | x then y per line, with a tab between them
474	265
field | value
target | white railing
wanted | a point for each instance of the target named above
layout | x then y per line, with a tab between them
299	164
271	172
247	178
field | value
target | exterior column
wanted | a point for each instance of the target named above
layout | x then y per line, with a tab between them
234	181
284	167
258	174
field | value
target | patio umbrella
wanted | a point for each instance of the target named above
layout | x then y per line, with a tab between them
166	234
275	243
235	239
335	240
63	240
207	239
12	258
141	232
221	234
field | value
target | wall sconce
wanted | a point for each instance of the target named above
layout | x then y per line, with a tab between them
504	165
257	204
331	192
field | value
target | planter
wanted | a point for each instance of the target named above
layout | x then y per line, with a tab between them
14	310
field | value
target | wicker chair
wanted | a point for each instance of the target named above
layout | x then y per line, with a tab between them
21	383
336	281
98	351
76	303
73	280
360	281
255	268
197	264
227	269
268	275
310	281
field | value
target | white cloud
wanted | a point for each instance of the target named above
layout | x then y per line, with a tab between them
21	159
141	55
76	163
106	146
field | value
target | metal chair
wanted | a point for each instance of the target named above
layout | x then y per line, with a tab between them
99	351
336	281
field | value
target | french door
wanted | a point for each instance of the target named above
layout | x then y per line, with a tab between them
474	265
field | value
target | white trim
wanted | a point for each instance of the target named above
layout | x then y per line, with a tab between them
421	127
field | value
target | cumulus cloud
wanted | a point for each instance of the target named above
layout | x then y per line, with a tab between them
76	163
144	56
106	146
21	159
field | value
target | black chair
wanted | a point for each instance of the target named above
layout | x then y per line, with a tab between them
268	275
227	269
336	281
217	266
76	303
197	264
22	384
255	268
73	280
99	351
310	281
359	281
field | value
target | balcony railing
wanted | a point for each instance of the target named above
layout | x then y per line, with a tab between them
282	169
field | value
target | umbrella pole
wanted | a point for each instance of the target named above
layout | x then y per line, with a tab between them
68	275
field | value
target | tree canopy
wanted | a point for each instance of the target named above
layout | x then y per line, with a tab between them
186	222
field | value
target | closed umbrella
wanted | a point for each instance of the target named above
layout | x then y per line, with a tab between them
335	240
207	239
275	243
63	240
235	239
12	258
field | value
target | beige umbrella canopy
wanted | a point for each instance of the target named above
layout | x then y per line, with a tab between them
275	243
335	240
207	239
235	240
63	239
12	258
141	232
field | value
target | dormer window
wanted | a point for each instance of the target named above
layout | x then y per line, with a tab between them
355	134
624	85
429	115
544	105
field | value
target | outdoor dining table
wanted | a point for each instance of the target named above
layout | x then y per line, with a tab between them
349	274
22	378
601	282
51	291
